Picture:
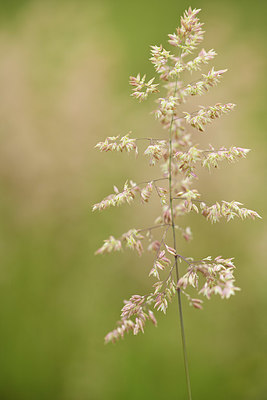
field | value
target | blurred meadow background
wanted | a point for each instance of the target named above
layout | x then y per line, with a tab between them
64	68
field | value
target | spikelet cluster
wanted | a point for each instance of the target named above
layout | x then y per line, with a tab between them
180	160
111	143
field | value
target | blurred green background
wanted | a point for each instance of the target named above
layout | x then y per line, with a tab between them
64	68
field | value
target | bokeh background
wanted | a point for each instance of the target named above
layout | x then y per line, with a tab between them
64	68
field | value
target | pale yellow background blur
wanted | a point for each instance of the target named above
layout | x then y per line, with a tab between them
64	68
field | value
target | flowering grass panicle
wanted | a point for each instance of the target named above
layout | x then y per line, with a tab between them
180	159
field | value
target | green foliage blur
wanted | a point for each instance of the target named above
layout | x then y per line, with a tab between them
64	68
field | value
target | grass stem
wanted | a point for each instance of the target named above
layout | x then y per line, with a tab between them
176	260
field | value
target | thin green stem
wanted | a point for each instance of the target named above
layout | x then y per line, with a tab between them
151	180
151	139
176	261
153	227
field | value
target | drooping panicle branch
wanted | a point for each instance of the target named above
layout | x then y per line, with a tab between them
206	114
